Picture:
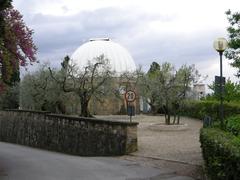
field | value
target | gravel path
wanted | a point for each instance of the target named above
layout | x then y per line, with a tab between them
174	148
177	145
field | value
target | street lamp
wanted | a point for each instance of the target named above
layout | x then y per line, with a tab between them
220	44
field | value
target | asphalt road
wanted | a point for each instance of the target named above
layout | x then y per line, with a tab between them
25	163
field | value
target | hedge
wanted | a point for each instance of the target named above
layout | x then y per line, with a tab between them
233	125
221	153
200	109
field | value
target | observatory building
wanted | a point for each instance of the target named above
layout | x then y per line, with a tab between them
119	58
120	61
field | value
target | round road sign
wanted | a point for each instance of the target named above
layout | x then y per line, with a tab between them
130	96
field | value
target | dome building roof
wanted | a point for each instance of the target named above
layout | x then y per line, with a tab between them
119	58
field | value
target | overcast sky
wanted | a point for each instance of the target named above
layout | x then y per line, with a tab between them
177	31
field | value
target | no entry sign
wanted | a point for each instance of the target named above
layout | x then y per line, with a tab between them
130	96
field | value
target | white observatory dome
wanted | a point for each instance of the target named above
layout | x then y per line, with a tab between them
119	58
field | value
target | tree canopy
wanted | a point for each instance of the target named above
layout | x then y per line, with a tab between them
165	87
16	43
231	91
40	92
85	83
233	52
3	5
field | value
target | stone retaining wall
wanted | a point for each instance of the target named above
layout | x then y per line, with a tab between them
68	134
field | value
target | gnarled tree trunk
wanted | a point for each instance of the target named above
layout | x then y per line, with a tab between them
84	105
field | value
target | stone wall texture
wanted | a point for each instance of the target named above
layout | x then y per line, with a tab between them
68	134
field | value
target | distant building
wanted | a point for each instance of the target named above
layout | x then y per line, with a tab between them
199	91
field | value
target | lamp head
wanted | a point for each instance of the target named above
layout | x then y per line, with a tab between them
220	44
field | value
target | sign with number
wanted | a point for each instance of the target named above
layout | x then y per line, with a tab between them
130	96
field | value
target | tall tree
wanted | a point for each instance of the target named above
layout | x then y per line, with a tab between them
154	68
149	87
233	52
16	44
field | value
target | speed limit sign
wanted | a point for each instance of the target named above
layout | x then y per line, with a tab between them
130	96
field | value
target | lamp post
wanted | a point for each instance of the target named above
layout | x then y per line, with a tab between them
220	44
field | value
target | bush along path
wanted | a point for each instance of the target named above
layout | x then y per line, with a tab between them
200	109
221	150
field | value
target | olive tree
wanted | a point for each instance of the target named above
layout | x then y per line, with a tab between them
165	87
92	81
38	91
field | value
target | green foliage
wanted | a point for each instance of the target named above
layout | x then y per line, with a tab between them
231	92
40	92
16	43
154	68
165	88
233	52
9	98
199	109
5	4
221	153
86	83
233	125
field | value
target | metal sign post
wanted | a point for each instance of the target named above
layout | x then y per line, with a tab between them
218	81
130	96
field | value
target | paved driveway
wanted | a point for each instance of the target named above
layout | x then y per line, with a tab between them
24	163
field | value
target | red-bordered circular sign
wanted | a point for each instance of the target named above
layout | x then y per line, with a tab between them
130	96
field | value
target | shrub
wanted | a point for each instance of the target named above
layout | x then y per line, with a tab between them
221	153
9	98
200	109
233	125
